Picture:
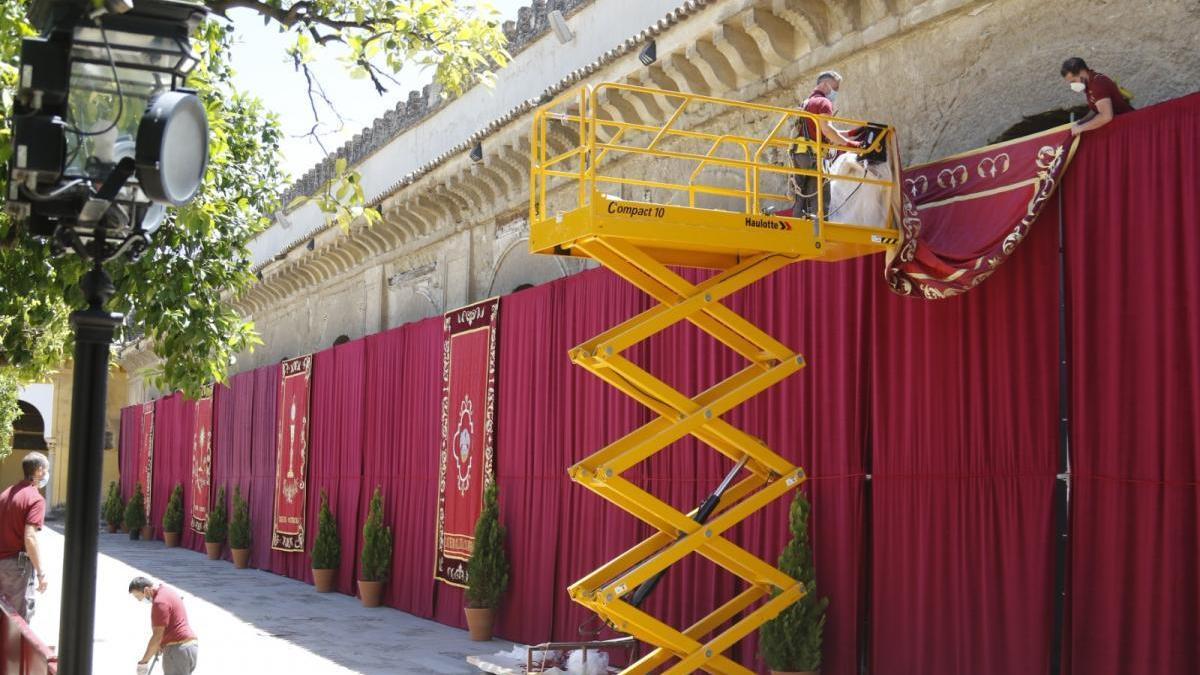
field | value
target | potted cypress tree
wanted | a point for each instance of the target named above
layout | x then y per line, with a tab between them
135	513
172	521
218	527
791	642
376	554
487	571
327	550
239	531
114	508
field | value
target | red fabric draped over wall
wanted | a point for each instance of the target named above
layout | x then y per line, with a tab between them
402	425
952	406
234	415
1133	264
550	415
335	462
553	414
127	447
965	451
173	417
262	465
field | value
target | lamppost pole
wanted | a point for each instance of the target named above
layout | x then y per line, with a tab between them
94	329
102	200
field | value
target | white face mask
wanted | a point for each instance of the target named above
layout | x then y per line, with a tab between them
832	96
1078	87
45	479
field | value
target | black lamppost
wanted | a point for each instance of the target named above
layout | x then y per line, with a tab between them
104	138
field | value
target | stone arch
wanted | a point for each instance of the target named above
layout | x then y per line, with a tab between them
516	266
1032	124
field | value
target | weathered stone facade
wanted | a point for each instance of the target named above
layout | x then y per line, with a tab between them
949	74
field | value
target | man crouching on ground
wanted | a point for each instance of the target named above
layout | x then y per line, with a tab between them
172	634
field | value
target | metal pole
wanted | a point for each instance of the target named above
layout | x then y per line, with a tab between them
1062	485
94	329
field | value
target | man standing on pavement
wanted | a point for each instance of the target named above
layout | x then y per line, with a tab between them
22	514
171	632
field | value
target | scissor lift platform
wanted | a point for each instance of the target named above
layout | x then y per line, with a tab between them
581	153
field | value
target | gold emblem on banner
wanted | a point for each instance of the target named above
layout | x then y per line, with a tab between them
989	167
953	177
917	186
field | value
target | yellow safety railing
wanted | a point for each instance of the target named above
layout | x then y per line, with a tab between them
599	147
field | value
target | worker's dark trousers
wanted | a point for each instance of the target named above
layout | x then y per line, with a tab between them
804	188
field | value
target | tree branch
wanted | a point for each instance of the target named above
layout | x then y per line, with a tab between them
300	12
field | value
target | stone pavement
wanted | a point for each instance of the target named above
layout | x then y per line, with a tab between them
249	622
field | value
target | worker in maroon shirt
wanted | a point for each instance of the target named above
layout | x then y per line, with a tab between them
22	514
804	156
171	632
1104	97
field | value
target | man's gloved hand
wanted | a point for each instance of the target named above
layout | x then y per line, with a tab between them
143	668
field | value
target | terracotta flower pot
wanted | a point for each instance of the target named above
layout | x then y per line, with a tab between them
479	622
134	535
371	593
323	580
214	549
112	529
241	557
171	538
147	533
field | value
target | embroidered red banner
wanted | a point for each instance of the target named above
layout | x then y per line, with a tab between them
468	414
202	463
291	454
964	215
146	454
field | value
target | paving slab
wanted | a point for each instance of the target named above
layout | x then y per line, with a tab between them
250	622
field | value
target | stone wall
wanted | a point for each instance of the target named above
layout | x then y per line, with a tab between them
950	75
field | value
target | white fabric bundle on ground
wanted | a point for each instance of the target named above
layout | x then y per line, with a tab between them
597	663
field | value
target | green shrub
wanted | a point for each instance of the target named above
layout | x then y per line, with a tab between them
487	571
239	525
135	510
173	518
327	550
114	508
377	543
218	521
792	640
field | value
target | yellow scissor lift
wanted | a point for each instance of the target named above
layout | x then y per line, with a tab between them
714	219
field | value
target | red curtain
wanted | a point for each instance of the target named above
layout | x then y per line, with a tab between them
127	448
262	464
173	418
550	415
402	425
965	392
335	462
234	418
1133	263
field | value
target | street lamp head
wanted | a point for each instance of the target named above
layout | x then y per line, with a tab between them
104	132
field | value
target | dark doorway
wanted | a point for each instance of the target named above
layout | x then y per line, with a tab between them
29	431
